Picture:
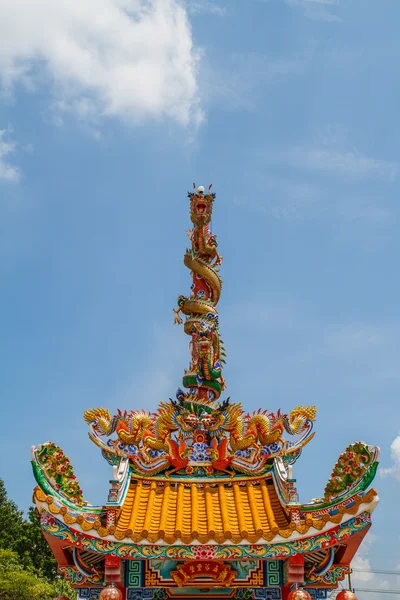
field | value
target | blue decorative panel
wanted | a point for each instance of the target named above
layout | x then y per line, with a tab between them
267	593
145	594
89	593
258	593
318	594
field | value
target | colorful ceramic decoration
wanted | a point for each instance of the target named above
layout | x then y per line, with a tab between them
202	499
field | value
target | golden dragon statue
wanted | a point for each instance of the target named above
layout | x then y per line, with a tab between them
262	429
201	324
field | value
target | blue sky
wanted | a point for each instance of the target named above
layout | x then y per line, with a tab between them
109	110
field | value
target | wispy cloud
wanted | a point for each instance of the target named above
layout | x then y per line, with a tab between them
205	7
239	83
348	340
361	349
136	60
362	578
300	198
346	163
325	178
320	10
365	354
8	172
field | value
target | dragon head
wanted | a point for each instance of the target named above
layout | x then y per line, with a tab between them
99	419
214	421
204	337
187	420
201	206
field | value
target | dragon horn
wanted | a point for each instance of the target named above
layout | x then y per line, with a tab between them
209	187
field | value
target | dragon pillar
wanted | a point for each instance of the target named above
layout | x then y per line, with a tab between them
204	376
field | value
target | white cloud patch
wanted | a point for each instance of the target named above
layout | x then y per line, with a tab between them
320	10
132	59
8	172
325	177
205	7
345	163
239	83
356	355
362	578
302	198
393	471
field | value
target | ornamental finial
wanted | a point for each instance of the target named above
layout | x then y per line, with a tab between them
204	376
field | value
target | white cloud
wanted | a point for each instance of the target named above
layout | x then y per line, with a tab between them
394	471
326	177
349	340
132	59
8	172
300	197
362	578
320	10
345	163
204	7
361	563
239	83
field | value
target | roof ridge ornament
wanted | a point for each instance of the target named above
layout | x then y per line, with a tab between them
197	435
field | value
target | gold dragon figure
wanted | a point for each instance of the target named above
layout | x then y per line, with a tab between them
144	430
200	309
261	428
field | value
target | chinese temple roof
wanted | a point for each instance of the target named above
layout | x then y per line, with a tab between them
238	511
233	512
202	471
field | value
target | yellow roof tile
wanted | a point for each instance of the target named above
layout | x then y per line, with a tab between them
189	511
237	511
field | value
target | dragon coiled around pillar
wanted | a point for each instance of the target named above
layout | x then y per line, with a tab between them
201	324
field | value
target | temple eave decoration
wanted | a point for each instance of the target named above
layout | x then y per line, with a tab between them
202	494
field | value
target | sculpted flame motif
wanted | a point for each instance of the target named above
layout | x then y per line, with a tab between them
196	434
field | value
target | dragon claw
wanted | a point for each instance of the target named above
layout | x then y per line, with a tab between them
177	318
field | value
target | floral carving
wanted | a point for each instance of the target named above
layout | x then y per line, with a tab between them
59	472
357	462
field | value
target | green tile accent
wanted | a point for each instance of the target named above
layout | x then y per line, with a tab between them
133	573
274	573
